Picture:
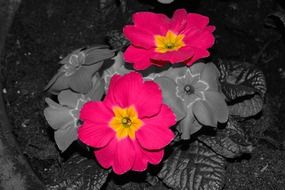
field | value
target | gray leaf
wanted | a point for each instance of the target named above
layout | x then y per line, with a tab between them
197	168
244	87
229	142
247	107
80	173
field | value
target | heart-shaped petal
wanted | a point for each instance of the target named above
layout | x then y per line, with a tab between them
204	114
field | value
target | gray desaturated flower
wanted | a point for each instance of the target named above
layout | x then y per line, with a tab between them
63	116
78	69
194	95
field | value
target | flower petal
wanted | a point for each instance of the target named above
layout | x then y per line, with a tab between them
52	81
178	21
202	40
124	156
180	55
154	137
204	114
139	57
81	80
58	117
201	86
218	105
164	119
191	99
65	137
197	68
211	28
148	106
210	75
139	36
197	20
198	54
97	54
68	98
142	19
98	89
105	156
96	112
143	157
58	82
186	125
168	88
131	90
94	135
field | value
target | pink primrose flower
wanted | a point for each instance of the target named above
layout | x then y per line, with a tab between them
156	39
130	127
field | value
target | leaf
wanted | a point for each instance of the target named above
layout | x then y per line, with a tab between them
80	173
197	167
244	87
229	142
276	20
240	79
117	40
248	107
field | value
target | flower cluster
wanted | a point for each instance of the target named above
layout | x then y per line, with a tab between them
129	117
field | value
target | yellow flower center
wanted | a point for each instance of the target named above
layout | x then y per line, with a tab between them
125	122
169	42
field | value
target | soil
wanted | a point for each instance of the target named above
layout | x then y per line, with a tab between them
44	32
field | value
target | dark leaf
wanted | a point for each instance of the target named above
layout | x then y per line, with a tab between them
198	167
117	40
229	142
248	107
244	87
276	20
80	173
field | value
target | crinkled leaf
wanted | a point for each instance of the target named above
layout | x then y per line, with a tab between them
197	167
80	173
117	40
276	19
240	79
229	142
247	107
244	87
